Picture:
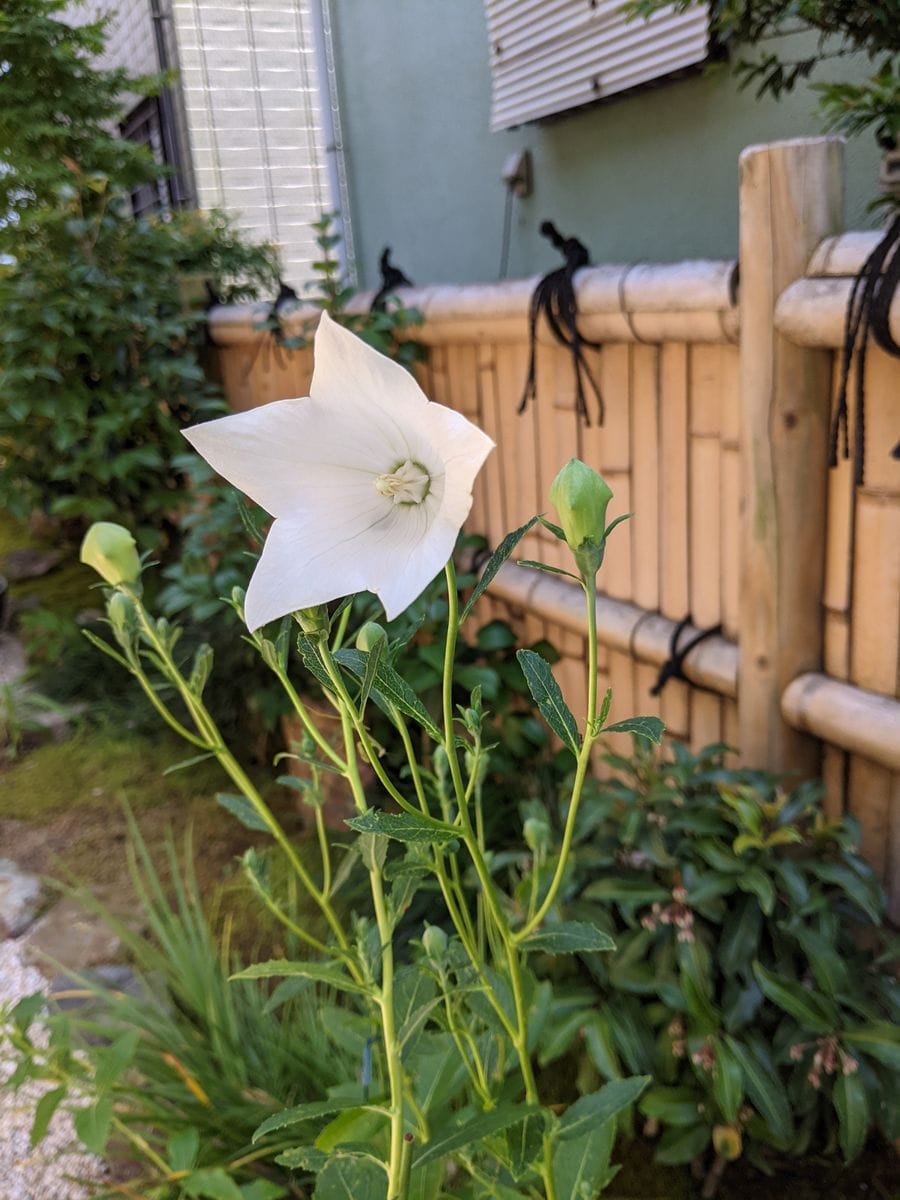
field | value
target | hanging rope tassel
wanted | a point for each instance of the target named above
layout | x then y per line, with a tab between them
554	298
868	313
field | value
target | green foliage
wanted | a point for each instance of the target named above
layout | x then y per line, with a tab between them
99	347
746	975
840	28
186	1066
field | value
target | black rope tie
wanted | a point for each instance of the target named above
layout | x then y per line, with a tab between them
391	279
673	667
554	297
868	312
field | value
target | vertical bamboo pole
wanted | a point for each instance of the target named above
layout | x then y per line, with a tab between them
790	198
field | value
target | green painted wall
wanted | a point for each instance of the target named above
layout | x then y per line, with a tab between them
652	175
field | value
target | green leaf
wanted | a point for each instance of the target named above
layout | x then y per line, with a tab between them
739	942
627	891
93	1125
539	566
182	1149
758	882
303	1158
43	1112
351	1178
650	728
312	660
390	689
728	1081
373	661
403	827
211	1183
672	1105
263	1189
303	1112
358	1125
594	1109
569	937
525	1144
549	698
493	565
241	808
474	1130
814	1012
828	968
114	1059
580	1166
330	973
852	1108
765	1090
678	1146
878	1039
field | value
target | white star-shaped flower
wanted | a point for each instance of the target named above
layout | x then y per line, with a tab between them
368	481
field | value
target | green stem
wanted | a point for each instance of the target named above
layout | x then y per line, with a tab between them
583	764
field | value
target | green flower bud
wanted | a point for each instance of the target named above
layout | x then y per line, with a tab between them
537	835
121	614
434	942
313	621
111	551
369	636
581	497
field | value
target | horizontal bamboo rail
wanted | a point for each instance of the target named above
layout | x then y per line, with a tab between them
812	311
842	254
645	636
676	302
850	717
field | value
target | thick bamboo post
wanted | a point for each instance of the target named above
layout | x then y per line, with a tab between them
790	199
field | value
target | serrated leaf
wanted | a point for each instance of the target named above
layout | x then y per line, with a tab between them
311	1111
650	728
525	1144
580	1166
390	689
474	1130
592	1110
569	937
43	1113
546	693
403	827
241	808
329	973
539	566
493	565
351	1178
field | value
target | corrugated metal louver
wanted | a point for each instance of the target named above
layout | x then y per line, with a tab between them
548	56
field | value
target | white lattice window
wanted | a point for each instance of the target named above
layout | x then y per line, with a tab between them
548	56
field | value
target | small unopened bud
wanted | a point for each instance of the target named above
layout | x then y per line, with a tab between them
581	497
370	635
111	551
121	615
434	942
200	672
313	621
537	835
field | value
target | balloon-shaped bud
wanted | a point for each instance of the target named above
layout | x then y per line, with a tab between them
434	942
581	497
537	835
369	636
111	551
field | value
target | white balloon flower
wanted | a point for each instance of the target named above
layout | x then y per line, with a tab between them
368	481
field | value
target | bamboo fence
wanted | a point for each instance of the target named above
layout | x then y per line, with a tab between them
717	412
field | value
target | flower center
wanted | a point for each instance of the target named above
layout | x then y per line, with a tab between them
408	483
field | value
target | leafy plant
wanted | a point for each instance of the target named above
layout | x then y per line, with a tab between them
99	353
841	29
751	972
178	1072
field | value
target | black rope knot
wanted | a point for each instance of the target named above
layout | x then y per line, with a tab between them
673	667
868	312
554	297
391	278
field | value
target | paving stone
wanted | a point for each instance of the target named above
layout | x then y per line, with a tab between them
20	899
70	937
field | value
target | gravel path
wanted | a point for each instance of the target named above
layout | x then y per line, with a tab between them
49	1171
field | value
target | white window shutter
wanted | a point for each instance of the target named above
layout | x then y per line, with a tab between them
548	56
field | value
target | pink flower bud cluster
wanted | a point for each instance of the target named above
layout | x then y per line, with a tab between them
827	1059
676	1033
677	914
705	1057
